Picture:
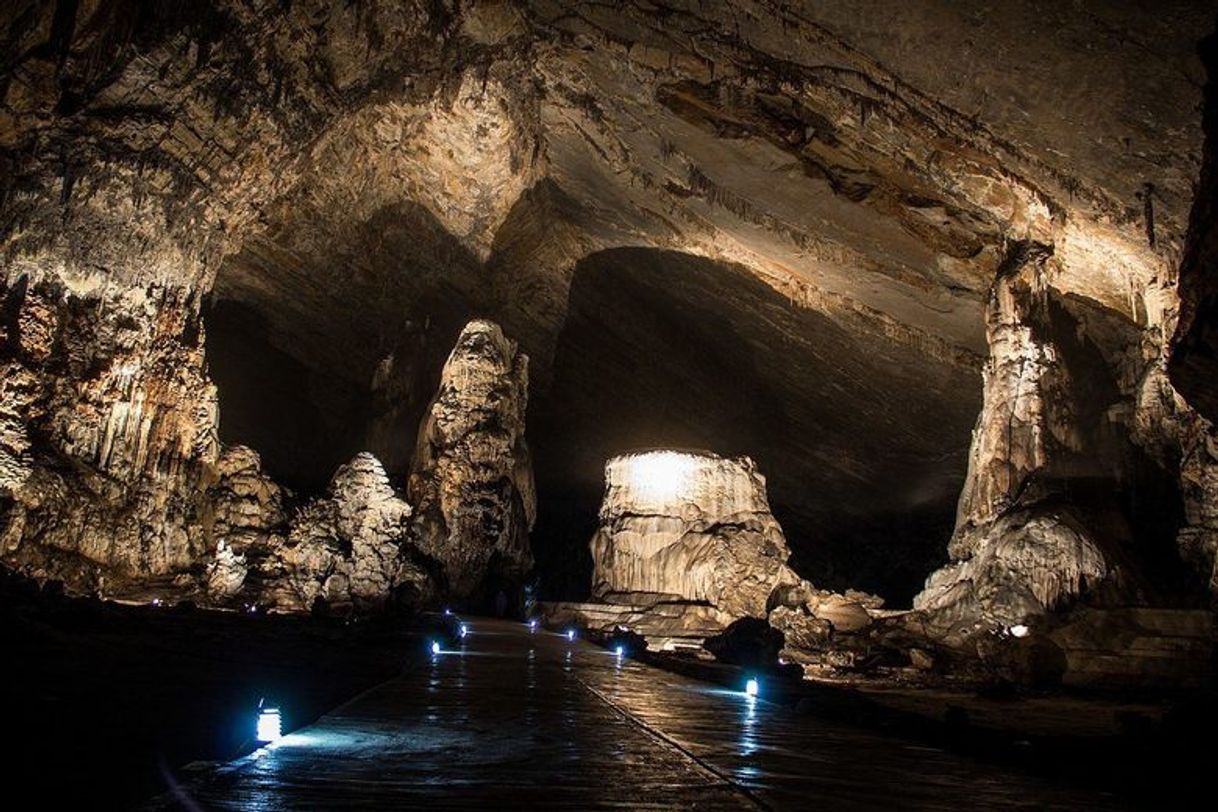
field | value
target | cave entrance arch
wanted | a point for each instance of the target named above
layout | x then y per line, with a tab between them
863	440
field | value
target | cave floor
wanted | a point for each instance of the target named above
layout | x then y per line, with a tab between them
516	719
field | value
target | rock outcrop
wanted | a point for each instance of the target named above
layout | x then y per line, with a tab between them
1186	444
688	527
347	548
472	479
107	431
246	513
1012	559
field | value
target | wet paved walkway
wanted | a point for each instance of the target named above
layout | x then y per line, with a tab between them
515	719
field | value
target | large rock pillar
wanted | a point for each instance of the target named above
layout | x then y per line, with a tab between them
1018	549
472	478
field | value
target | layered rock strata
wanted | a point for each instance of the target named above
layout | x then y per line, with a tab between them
472	479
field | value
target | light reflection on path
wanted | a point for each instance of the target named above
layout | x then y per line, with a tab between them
516	719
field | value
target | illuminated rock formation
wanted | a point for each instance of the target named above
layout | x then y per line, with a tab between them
1027	414
1081	448
347	548
1014	556
110	381
472	480
246	510
769	228
688	527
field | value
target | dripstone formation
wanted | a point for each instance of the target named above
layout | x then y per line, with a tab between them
781	230
690	528
348	548
472	480
687	547
1038	526
1019	551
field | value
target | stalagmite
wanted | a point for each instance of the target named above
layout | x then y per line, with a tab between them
347	548
1019	551
472	480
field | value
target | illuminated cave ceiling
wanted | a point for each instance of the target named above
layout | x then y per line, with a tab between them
764	228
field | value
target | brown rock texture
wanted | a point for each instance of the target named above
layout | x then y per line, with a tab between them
688	527
1015	556
247	511
110	381
861	233
1072	397
347	548
472	479
1024	564
1027	416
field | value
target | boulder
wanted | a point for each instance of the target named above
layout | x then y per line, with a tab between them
801	630
748	642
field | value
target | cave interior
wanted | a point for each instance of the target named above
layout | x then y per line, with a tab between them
342	310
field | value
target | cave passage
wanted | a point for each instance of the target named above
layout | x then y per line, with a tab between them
566	724
326	337
863	441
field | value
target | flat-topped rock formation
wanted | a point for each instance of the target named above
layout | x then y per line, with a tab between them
688	527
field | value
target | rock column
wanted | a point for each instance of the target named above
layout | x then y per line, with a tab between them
472	479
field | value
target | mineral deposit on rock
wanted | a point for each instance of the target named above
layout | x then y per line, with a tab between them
689	527
472	478
348	547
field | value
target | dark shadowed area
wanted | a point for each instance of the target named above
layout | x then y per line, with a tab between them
671	350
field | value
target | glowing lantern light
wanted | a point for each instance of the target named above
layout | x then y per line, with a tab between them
464	629
270	726
619	651
570	634
533	625
1019	630
435	647
447	611
751	688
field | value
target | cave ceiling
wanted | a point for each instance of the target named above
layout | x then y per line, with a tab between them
831	186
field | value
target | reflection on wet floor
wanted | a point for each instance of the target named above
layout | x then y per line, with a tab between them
513	718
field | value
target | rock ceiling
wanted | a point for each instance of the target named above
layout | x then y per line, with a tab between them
831	187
